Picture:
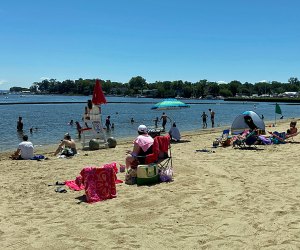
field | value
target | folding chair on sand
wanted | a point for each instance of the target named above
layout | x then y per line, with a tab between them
224	139
246	140
281	137
161	157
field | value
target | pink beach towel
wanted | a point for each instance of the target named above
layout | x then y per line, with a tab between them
99	182
76	184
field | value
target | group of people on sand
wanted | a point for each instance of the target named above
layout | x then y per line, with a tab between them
253	136
25	149
204	118
67	147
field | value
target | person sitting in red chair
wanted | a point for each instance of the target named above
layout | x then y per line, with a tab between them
142	146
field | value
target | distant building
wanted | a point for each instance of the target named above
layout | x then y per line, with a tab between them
289	94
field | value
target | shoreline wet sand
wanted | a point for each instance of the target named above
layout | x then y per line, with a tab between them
225	198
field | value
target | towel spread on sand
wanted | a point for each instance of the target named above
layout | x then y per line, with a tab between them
99	182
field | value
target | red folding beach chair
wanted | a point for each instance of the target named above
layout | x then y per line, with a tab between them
161	153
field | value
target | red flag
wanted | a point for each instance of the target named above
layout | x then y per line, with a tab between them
98	96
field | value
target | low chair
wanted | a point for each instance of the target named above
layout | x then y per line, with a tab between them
247	140
281	137
161	154
224	139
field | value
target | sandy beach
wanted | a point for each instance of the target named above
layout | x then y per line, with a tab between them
222	199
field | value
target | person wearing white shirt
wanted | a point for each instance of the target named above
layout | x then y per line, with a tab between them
174	133
24	151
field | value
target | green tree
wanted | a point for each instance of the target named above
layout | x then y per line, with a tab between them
137	84
200	88
188	90
234	87
213	89
43	86
18	89
294	80
262	88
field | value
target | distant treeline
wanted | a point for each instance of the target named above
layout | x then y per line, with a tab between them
162	89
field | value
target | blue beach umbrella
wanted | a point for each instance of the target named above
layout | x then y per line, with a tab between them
170	104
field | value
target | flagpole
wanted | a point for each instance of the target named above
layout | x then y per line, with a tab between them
277	110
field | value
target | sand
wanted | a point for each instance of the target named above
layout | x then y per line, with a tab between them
229	199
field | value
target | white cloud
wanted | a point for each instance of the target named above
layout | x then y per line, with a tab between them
221	82
3	82
263	81
44	78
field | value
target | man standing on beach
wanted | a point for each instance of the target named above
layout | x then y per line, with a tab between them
212	117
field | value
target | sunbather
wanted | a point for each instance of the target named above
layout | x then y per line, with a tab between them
247	138
292	129
281	137
67	146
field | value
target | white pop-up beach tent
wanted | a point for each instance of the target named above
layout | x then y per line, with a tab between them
239	124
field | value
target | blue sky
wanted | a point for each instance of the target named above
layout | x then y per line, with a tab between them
160	40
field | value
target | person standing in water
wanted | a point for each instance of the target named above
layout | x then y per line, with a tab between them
204	117
212	117
156	122
20	124
164	119
107	123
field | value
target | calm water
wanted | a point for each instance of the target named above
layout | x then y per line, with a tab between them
52	119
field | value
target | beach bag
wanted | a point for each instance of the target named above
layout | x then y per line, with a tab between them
226	142
130	177
166	174
147	174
